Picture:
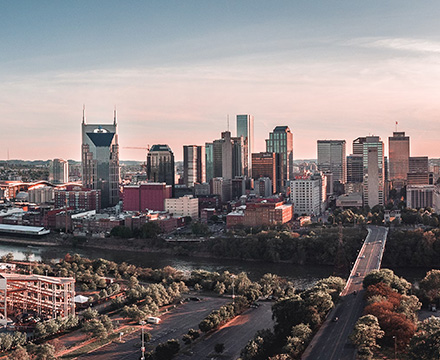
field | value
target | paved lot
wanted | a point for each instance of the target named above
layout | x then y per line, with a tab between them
173	326
234	335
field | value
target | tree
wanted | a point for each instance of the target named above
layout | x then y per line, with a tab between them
430	286
298	340
43	352
95	328
366	332
387	277
89	314
424	344
167	350
19	353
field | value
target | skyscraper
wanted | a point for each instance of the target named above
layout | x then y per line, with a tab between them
160	165
355	172
331	158
193	165
100	160
398	158
281	142
374	171
264	165
245	128
358	145
59	171
209	161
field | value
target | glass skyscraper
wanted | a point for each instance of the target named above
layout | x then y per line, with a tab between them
245	128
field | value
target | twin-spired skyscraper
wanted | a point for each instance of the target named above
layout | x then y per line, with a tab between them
100	160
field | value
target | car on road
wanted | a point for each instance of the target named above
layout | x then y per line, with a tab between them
355	292
362	257
335	319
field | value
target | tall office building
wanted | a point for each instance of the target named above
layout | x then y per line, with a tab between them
281	142
228	154
398	158
418	170
209	161
160	165
100	160
59	171
331	158
358	145
264	165
374	171
245	128
193	165
355	169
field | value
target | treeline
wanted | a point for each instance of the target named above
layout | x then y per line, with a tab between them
418	248
318	246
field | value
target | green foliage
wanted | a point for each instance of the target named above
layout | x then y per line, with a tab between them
42	352
167	350
199	228
260	347
297	342
20	353
121	231
387	276
430	287
217	317
366	332
425	343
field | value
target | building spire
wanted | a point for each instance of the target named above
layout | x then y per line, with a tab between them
84	114
114	116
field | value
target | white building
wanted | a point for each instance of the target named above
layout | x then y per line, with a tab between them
183	206
420	196
306	195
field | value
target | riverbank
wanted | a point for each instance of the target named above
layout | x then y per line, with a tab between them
27	241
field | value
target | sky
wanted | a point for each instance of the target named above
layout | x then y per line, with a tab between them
175	71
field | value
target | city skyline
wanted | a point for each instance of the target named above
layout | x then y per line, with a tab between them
327	70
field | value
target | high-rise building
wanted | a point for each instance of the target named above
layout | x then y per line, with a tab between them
160	165
209	161
332	158
398	158
228	155
358	145
281	142
355	172
100	160
59	171
264	165
306	195
374	171
193	165
418	170
245	128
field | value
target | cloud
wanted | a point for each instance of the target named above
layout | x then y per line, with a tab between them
402	44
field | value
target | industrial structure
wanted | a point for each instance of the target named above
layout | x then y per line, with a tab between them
44	296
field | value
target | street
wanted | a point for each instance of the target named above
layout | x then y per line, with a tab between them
331	342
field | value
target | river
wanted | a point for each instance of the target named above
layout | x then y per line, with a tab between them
302	276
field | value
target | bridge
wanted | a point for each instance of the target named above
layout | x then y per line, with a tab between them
331	341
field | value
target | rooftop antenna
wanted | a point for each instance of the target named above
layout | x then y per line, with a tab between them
396	125
228	122
84	114
114	116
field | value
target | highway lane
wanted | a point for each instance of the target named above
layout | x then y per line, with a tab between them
234	335
331	342
174	325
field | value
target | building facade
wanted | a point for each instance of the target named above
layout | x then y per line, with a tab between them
398	159
100	160
78	198
420	196
183	206
264	165
193	165
160	165
281	142
374	171
418	170
59	171
306	195
147	196
332	158
245	128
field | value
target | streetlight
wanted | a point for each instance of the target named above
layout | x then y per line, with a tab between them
395	347
142	322
233	293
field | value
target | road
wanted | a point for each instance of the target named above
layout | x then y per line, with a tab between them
331	342
174	325
234	335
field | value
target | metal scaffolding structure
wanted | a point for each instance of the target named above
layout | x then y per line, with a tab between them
46	296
